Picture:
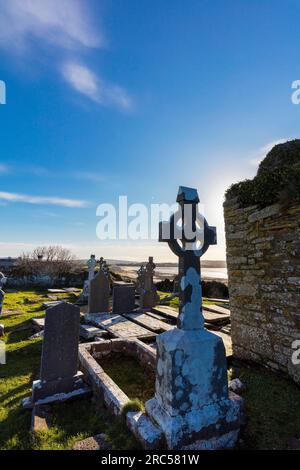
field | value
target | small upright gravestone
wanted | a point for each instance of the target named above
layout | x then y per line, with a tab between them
123	297
99	293
91	273
59	376
140	285
192	405
2	293
148	295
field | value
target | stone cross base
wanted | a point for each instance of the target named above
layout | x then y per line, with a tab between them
192	405
214	427
57	390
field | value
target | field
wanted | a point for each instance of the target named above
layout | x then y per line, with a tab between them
272	403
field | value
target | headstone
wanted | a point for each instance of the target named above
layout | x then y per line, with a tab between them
91	273
123	298
91	267
148	295
59	376
99	293
192	404
140	285
2	293
175	285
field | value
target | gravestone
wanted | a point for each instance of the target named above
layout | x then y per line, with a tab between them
91	267
148	295
2	293
140	285
59	376
123	297
99	293
175	285
192	404
91	273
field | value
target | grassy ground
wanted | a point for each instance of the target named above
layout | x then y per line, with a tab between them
272	403
70	422
135	381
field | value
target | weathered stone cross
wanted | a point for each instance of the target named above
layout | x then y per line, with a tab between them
195	236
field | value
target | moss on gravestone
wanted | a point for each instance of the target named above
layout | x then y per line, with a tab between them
277	179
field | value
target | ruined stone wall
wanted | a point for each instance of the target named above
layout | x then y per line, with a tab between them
263	256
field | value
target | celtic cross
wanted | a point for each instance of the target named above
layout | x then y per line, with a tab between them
189	241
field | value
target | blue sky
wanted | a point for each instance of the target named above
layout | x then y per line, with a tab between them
136	97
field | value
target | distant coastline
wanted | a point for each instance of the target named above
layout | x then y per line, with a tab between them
210	270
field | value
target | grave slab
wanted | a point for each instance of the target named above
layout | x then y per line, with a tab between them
217	309
52	303
118	326
152	324
89	331
38	323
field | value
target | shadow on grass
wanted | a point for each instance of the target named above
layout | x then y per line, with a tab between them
272	407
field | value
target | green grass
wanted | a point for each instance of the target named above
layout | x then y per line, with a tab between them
272	407
70	422
137	382
174	303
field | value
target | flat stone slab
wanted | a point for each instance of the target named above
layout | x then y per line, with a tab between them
72	289
217	309
210	315
148	322
38	323
216	318
224	301
89	331
160	317
167	312
118	325
83	392
56	291
93	443
52	303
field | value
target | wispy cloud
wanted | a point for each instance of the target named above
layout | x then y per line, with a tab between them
41	200
82	79
63	23
257	156
85	81
67	27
